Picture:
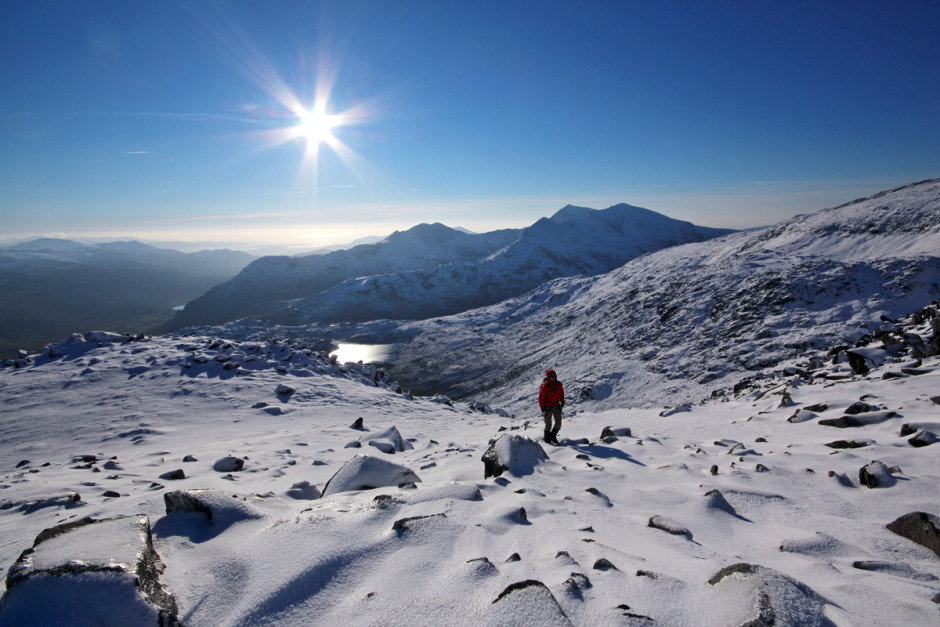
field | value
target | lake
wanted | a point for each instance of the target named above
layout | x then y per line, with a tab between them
366	353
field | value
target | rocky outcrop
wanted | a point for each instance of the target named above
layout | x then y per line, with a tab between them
90	572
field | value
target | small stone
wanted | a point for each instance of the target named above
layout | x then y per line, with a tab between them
604	564
174	475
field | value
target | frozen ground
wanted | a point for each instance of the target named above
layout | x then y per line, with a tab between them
274	555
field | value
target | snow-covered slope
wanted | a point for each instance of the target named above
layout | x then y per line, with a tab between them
747	507
671	325
575	241
260	287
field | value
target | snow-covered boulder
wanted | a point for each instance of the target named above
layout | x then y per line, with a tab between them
303	491
364	472
102	572
388	441
513	453
876	475
778	598
528	602
221	509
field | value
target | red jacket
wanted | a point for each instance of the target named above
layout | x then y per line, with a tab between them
551	394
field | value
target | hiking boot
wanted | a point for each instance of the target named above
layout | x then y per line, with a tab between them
554	435
548	436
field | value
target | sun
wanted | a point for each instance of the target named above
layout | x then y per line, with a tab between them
316	126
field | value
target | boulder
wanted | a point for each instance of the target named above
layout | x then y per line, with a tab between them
529	602
669	526
514	454
920	527
844	444
364	472
303	491
101	572
860	407
219	508
228	464
778	598
923	438
910	428
174	475
860	420
388	441
875	475
801	415
619	432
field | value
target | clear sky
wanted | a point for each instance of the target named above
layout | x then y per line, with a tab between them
305	123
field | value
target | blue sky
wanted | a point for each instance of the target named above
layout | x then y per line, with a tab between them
180	120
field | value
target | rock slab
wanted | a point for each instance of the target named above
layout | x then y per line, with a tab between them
102	572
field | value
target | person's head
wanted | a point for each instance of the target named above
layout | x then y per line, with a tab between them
550	375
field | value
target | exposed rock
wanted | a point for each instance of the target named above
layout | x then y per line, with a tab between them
576	583
513	558
860	407
875	475
715	500
528	600
303	491
923	438
818	407
913	427
899	569
860	420
920	527
407	524
604	564
284	390
801	415
75	570
189	459
67	501
676	410
600	495
779	599
514	454
357	424
219	508
364	472
844	444
174	475
619	432
669	526
388	441
228	464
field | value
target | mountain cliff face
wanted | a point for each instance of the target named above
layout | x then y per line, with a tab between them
259	288
672	325
575	241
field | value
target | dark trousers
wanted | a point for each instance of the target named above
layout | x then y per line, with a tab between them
553	412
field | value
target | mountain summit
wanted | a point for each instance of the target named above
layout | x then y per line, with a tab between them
426	275
673	325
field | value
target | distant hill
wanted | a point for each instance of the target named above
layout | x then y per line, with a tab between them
432	270
261	288
50	288
574	241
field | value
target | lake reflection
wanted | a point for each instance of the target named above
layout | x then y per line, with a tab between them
366	353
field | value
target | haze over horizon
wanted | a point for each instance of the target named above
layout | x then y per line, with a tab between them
311	124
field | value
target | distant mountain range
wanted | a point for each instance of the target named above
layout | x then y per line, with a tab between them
433	270
50	288
673	325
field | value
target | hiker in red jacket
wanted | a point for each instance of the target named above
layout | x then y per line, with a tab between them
551	400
